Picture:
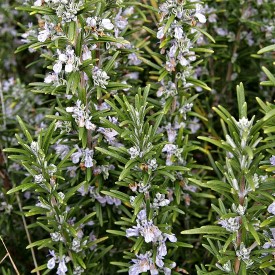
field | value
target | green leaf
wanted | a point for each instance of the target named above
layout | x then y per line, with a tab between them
207	229
24	129
269	75
84	220
116	232
22	187
267	49
120	264
269	115
213	141
111	62
138	202
40	243
204	50
199	83
181	244
267	222
41	267
241	100
168	23
150	63
117	194
112	154
72	31
48	137
267	264
254	233
97	241
205	33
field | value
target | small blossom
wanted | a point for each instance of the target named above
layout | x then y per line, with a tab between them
39	178
272	160
51	263
152	164
271	208
56	237
231	224
134	152
199	15
62	268
142	263
88	159
106	23
100	77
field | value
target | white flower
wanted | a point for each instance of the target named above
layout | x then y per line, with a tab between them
43	35
152	164
271	208
272	160
39	178
78	270
87	54
89	125
62	57
159	261
171	237
244	254
128	11
162	250
178	32
134	59
199	15
231	224
56	237
160	200
76	245
57	67
132	232
143	263
160	33
134	152
62	268
169	149
38	3
51	78
173	50
100	77
77	155
91	21
88	159
62	150
109	133
81	116
69	68
150	232
106	23
51	263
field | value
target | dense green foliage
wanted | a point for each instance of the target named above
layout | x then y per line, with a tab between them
126	146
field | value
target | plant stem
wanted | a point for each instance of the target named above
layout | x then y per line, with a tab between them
27	232
239	234
9	255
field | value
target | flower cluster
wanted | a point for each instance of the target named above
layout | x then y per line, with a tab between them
100	77
84	156
151	233
98	25
65	9
67	58
231	224
81	116
179	49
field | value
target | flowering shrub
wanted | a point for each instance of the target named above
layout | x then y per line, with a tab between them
111	154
